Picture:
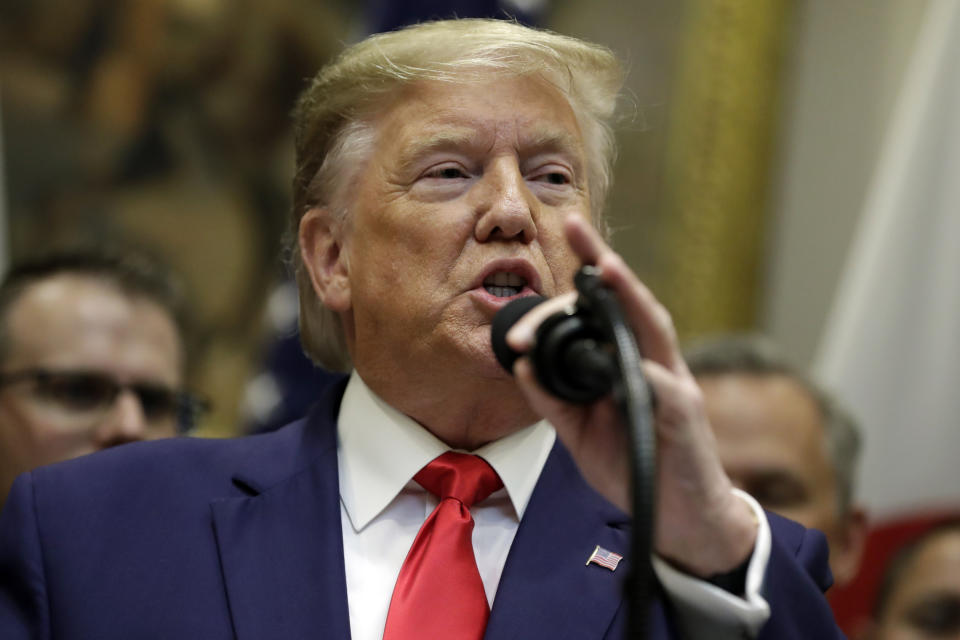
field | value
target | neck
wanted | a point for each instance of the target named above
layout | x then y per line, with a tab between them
472	414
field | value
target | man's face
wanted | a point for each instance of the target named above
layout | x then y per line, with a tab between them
925	604
772	445
68	327
458	211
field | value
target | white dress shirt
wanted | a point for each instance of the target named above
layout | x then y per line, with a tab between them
382	509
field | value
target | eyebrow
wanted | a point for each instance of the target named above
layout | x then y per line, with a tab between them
443	140
547	139
768	475
535	140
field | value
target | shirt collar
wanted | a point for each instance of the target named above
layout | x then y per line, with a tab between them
381	449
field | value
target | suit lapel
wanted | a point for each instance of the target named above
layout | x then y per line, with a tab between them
547	590
281	549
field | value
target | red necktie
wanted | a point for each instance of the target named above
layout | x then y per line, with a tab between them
439	593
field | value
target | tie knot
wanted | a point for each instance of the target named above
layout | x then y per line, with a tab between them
467	478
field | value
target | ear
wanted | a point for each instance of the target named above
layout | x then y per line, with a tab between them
324	256
854	538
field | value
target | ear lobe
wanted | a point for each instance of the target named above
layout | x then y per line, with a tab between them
854	542
324	257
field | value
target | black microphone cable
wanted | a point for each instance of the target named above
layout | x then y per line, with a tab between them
581	354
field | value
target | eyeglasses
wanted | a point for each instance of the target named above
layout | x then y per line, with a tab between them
88	393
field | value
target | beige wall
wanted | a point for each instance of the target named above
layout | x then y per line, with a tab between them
646	35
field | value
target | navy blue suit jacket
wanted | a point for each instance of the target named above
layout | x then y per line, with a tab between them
218	539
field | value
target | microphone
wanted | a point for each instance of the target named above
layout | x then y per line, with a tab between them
572	355
581	354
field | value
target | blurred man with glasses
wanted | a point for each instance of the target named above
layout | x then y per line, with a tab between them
92	355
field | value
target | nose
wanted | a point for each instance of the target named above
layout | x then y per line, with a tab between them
125	422
506	208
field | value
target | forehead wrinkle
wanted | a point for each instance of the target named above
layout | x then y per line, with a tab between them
449	129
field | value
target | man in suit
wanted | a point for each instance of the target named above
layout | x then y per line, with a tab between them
442	171
92	355
784	440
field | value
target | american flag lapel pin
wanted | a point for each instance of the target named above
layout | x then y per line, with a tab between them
605	558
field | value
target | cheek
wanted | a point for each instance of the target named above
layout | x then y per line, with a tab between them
563	265
52	442
162	431
815	515
400	273
823	503
16	438
415	231
903	629
560	257
429	250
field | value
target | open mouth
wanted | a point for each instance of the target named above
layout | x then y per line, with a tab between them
503	284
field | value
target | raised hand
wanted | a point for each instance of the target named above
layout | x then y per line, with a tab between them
702	527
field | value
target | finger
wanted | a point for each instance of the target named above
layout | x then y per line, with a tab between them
585	240
521	336
678	398
649	319
542	402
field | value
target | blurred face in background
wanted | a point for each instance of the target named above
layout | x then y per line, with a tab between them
773	446
924	604
88	367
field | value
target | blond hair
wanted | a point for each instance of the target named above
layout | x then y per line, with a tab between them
334	133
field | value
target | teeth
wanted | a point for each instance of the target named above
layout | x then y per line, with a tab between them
504	284
502	292
505	279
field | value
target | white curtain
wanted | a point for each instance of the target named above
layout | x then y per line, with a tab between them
891	346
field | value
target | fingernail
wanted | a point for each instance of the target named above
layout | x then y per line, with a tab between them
520	337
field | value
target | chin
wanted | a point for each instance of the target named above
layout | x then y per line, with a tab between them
487	366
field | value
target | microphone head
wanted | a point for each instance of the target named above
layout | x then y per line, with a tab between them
502	322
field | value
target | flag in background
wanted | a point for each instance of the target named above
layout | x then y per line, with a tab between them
891	345
288	383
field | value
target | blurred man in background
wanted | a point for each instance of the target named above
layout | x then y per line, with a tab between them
92	355
919	598
784	440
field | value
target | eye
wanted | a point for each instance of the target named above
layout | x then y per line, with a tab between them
446	172
158	402
78	391
553	175
937	615
777	491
